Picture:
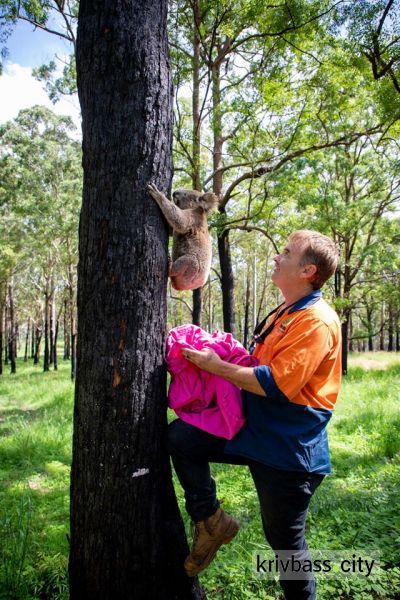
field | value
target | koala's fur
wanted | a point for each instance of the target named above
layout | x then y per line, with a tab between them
191	249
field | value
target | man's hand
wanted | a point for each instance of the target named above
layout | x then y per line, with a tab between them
206	359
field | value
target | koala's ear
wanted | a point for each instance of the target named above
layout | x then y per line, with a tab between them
209	201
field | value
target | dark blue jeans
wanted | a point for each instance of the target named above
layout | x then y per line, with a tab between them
284	496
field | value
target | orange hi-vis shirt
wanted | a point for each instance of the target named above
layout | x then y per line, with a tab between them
303	352
300	372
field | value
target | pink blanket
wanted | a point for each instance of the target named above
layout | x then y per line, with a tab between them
206	401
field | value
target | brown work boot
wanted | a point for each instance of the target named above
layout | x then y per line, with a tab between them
209	535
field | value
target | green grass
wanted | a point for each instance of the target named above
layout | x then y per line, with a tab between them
355	510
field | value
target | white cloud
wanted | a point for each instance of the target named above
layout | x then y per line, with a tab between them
18	89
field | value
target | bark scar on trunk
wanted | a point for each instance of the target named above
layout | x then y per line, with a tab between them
116	378
141	472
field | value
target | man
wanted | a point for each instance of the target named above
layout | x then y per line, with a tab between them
288	401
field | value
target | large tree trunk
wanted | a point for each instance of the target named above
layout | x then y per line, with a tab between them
127	537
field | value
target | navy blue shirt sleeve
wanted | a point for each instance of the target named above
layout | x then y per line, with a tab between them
267	382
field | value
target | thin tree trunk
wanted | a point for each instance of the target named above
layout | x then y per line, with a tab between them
52	318
33	339
127	537
72	320
370	329
12	336
390	346
197	306
351	345
55	358
224	251
6	336
67	355
210	307
16	340
254	290
46	359
196	137
28	328
227	283
1	337
263	292
246	310
345	341
38	339
382	334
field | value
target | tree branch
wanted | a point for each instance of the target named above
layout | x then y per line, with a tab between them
342	141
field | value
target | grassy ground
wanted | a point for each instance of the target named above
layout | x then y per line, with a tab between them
355	511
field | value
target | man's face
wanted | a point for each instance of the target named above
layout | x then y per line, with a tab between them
288	270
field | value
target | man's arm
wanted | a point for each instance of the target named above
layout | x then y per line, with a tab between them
242	377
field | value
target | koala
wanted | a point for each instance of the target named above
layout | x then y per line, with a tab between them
191	248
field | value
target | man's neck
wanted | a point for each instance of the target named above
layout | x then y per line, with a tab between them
292	296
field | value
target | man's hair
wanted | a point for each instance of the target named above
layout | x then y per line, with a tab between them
319	250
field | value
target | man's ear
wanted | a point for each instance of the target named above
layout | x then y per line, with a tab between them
309	271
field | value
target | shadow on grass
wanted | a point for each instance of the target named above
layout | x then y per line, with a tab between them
59	401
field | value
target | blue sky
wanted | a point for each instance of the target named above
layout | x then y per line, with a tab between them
31	47
28	48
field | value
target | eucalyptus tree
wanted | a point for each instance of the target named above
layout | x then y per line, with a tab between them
42	183
259	94
127	537
350	192
373	28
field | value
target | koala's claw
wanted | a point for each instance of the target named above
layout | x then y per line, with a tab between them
153	191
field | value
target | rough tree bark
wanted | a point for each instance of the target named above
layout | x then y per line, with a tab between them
127	537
